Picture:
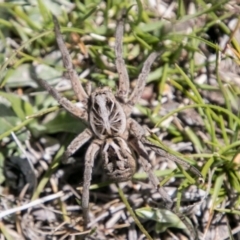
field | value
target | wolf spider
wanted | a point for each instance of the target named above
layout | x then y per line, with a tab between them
112	133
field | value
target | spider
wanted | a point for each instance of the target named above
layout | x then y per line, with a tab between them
113	135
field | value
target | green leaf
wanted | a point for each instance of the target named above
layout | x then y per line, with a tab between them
151	26
20	107
20	77
18	11
13	56
9	122
216	190
65	122
44	10
164	218
2	178
47	73
143	42
15	128
7	118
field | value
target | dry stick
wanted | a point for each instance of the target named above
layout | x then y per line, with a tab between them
136	220
106	214
31	204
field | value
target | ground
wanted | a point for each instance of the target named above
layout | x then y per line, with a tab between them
190	107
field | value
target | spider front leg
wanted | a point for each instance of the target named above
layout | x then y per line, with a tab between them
138	90
76	143
69	106
90	155
123	82
67	62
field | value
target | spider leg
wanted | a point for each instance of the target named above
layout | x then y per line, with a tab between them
123	84
170	157
147	167
89	162
67	62
138	90
140	149
69	106
139	133
76	143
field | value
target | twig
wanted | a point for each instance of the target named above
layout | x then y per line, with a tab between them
143	230
31	204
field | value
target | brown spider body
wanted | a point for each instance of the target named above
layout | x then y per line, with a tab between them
112	133
107	117
108	123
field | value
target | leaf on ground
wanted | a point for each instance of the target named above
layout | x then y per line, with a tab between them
7	118
20	107
164	218
48	73
8	122
21	77
2	178
64	122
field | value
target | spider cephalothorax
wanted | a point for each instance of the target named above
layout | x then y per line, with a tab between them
106	116
112	133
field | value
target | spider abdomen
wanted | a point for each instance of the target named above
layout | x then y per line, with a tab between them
119	162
